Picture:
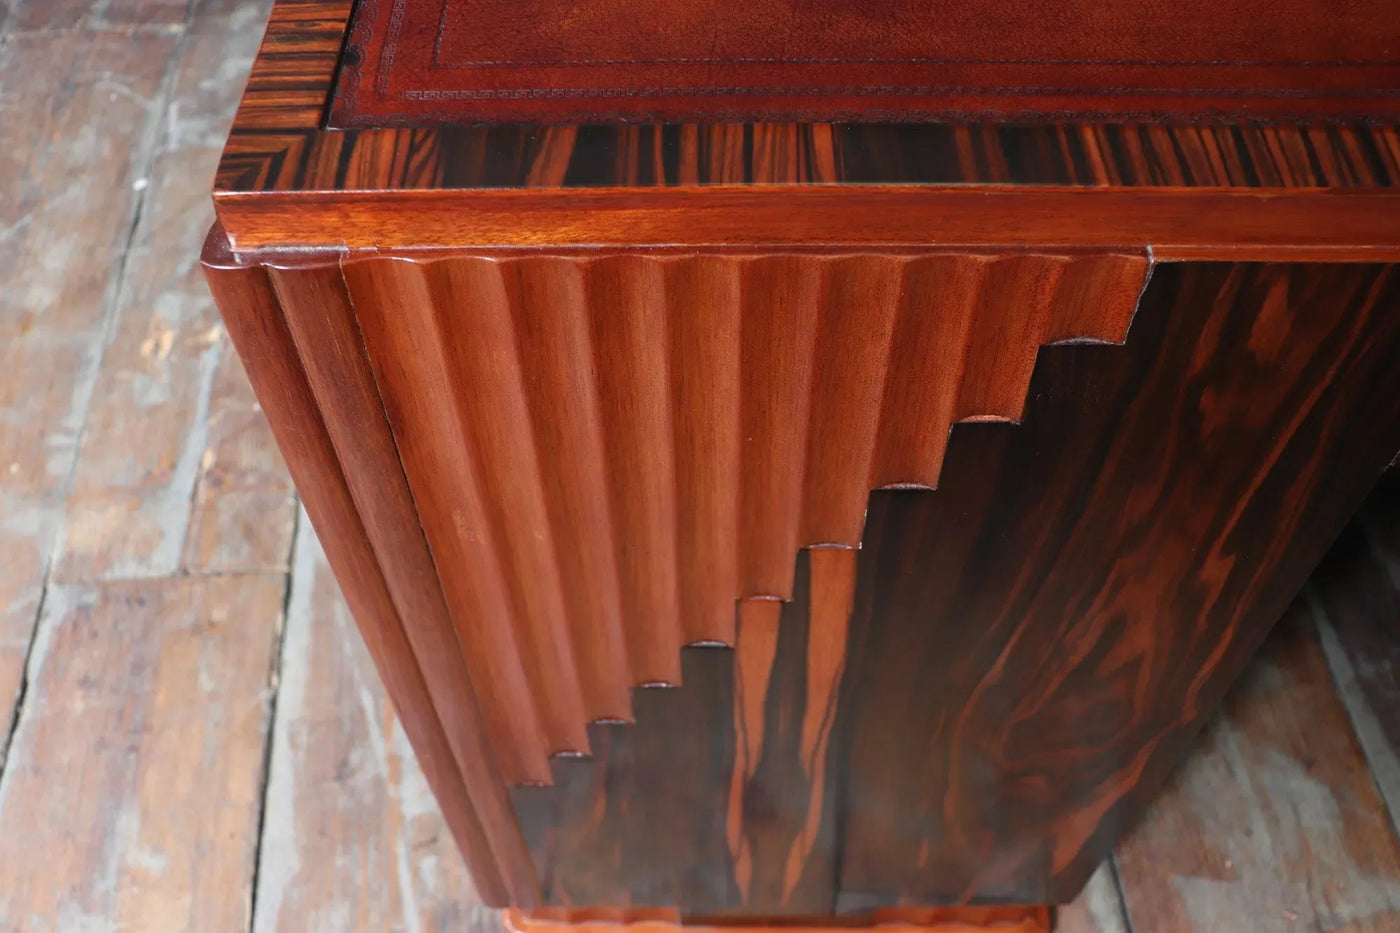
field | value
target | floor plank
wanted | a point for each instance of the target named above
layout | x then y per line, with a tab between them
1355	595
130	800
354	840
1098	908
244	507
53	15
69	158
173	427
1274	823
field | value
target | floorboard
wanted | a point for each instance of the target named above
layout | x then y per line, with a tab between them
1355	596
354	841
54	15
130	798
147	442
69	160
1275	822
1098	909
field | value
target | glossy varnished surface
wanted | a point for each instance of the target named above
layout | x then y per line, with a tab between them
608	450
285	180
1147	525
1030	647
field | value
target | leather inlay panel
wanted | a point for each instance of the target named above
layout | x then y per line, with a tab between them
442	61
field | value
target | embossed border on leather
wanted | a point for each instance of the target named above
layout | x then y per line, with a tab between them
377	88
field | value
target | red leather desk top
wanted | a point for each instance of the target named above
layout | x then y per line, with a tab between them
563	61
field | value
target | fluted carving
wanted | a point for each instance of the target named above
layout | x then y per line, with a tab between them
606	451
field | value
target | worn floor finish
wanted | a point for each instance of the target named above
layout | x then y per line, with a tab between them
191	735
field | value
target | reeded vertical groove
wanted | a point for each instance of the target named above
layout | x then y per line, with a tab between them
321	322
550	304
1097	297
927	354
627	300
1013	314
857	320
608	451
394	303
780	303
471	797
474	311
703	310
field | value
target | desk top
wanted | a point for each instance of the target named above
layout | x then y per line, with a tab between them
434	62
1237	189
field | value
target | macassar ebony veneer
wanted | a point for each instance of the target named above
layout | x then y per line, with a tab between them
796	522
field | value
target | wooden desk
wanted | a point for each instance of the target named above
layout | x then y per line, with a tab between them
793	521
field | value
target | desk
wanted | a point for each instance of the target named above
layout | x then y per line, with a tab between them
811	522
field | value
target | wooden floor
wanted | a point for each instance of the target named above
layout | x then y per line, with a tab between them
191	735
